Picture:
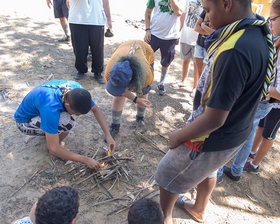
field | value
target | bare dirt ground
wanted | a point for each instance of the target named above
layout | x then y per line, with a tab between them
29	55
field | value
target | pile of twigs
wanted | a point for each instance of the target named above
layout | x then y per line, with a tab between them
112	168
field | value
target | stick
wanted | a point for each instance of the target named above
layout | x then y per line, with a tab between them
150	141
123	208
109	200
26	182
102	185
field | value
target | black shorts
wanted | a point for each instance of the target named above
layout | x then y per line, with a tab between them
167	49
60	9
270	124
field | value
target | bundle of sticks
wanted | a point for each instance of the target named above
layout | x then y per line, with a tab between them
113	167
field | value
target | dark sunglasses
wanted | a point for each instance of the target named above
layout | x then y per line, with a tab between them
270	20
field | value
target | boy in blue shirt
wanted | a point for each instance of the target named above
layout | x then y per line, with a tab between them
46	111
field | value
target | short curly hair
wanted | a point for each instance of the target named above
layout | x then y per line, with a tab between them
59	205
79	100
145	211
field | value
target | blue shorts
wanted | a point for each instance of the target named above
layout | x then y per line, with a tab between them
167	49
200	52
60	9
270	124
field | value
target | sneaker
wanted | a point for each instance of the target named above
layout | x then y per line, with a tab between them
114	130
161	89
252	155
228	173
219	180
140	126
79	75
249	168
99	78
178	85
64	39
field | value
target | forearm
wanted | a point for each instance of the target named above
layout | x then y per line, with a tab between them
101	119
208	122
65	154
106	6
208	30
129	95
274	93
148	16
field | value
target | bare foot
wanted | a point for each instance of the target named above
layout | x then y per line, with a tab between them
168	220
189	207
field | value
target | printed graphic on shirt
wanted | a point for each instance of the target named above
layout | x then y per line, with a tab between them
165	6
193	13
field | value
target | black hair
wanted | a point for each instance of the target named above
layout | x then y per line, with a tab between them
59	205
243	2
79	100
276	6
138	73
145	211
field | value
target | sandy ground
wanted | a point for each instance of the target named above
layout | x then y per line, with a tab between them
29	55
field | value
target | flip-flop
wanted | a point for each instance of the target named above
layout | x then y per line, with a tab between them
180	202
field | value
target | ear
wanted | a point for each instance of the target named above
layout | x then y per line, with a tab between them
227	4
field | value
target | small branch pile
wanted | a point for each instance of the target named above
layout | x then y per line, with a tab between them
112	168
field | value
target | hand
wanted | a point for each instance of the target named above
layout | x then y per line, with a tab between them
147	37
67	4
143	102
111	144
173	142
49	3
92	164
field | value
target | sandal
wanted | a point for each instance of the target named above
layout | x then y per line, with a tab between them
181	201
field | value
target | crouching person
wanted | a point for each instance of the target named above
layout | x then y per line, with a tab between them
129	74
46	111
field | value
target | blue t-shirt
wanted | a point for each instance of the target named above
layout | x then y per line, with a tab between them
45	102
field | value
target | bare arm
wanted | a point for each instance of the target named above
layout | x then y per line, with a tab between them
140	101
49	3
175	7
209	121
58	150
103	124
106	6
182	20
148	16
274	93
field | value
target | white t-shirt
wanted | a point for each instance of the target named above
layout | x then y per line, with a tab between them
164	24
87	12
193	10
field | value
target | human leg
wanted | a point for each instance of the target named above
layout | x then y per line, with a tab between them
96	42
140	116
80	43
61	12
167	202
117	106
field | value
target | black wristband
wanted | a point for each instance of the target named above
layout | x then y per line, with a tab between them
147	29
135	99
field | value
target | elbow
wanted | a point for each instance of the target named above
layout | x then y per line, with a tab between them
216	124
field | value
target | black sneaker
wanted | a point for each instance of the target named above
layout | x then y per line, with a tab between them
140	126
219	180
249	168
252	155
114	130
228	173
79	75
99	78
161	90
64	39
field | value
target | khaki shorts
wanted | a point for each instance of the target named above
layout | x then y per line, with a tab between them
177	173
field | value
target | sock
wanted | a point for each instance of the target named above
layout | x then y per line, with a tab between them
116	117
140	111
255	166
66	30
163	75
